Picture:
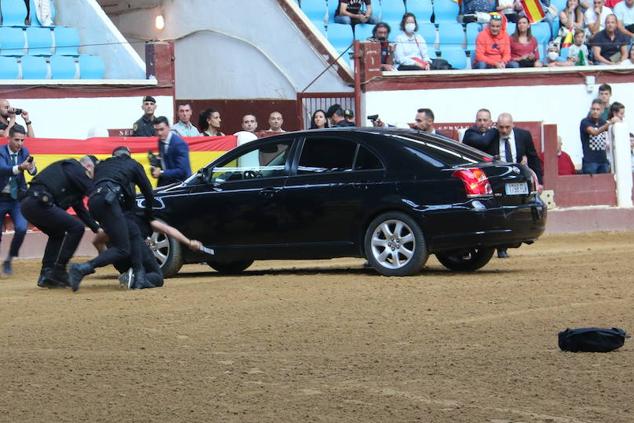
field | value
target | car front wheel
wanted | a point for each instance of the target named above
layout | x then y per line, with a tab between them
466	260
168	253
230	267
395	245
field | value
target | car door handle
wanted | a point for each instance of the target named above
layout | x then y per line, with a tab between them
269	192
360	185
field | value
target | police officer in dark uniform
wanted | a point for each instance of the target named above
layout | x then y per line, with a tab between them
144	127
61	185
113	196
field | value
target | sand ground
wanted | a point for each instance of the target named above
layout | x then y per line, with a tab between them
327	341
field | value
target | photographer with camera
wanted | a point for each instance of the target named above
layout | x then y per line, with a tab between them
8	117
14	160
60	185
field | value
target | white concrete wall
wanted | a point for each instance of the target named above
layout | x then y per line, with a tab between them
564	105
234	49
100	37
81	118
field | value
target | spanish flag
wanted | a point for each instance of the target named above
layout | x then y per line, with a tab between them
568	40
533	10
202	150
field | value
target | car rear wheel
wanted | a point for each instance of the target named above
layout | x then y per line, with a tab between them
168	253
395	245
230	267
466	260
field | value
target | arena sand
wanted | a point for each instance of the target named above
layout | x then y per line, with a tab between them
327	341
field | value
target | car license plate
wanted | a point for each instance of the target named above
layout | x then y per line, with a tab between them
516	188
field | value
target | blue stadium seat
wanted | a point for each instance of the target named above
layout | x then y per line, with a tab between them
422	9
340	36
13	12
332	8
314	9
428	32
63	67
554	26
363	31
473	29
39	41
392	11
320	26
91	67
446	11
12	41
559	4
33	14
455	56
510	28
394	29
563	54
9	68
541	31
34	67
451	34
66	41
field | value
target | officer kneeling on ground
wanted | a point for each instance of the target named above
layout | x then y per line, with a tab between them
61	185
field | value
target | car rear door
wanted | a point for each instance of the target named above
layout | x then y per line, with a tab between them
330	188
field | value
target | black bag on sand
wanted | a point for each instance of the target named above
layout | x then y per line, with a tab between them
592	339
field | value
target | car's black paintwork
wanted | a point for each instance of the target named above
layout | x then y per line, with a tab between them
325	215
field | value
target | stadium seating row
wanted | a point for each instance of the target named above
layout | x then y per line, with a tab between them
13	12
56	67
39	41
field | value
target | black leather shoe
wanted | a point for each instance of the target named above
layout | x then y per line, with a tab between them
502	253
140	282
41	280
77	273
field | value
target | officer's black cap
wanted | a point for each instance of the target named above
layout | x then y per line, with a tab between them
332	109
149	98
122	150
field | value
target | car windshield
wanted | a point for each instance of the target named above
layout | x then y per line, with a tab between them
449	152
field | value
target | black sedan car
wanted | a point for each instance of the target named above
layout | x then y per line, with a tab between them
392	196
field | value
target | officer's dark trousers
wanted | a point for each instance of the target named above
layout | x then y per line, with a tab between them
64	231
153	273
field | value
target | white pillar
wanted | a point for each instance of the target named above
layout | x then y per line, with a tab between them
622	164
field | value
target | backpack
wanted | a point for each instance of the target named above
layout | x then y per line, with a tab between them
592	339
440	64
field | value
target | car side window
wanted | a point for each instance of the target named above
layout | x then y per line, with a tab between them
366	160
326	155
265	161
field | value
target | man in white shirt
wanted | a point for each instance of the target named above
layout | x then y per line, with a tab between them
249	125
184	126
624	11
595	16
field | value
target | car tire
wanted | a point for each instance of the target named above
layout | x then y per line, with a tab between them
230	267
395	245
168	253
467	260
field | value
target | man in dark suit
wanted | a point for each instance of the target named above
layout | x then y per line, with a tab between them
174	153
14	160
482	133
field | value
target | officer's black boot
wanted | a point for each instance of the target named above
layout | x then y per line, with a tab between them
140	281
77	273
54	278
41	281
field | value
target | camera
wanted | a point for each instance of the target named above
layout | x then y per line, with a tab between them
17	111
154	160
373	117
29	159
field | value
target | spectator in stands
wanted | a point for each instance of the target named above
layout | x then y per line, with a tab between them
493	48
571	18
174	153
624	11
184	126
8	116
276	120
249	126
578	54
524	51
609	46
471	7
616	114
553	58
596	15
380	34
511	9
605	94
565	166
144	127
336	116
354	12
209	122
14	160
318	120
411	49
594	137
630	59
482	133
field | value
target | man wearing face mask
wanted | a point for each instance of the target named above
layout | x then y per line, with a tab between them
60	185
380	34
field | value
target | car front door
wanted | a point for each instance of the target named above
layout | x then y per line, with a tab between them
332	183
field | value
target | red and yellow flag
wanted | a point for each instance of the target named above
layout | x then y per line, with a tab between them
202	150
533	10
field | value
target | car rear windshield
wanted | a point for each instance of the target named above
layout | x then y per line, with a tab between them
450	152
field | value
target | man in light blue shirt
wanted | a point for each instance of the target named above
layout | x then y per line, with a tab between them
624	11
184	127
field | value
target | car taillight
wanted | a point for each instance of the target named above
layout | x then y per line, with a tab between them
534	180
475	182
